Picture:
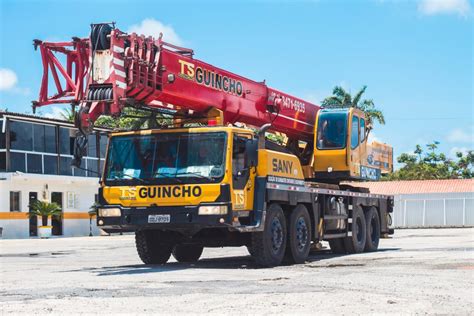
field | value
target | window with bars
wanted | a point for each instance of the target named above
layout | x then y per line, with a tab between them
15	201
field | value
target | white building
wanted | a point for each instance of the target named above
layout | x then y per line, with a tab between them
35	163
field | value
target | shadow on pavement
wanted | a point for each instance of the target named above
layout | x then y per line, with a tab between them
236	262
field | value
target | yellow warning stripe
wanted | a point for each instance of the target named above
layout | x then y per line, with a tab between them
23	215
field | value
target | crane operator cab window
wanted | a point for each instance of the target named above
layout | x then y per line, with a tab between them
355	132
332	130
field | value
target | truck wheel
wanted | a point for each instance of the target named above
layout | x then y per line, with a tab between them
337	245
373	230
299	236
187	253
150	249
268	247
356	243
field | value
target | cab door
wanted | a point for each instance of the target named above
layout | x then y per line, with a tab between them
243	176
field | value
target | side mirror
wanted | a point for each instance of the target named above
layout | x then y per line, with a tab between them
251	153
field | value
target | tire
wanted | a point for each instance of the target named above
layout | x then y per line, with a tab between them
152	246
373	230
268	247
356	243
337	245
298	242
187	253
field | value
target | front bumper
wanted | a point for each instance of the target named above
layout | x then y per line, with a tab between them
181	218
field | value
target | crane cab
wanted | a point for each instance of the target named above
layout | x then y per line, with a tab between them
341	151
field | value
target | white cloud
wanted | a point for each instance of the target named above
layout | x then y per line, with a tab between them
454	150
152	27
56	113
433	7
458	135
373	138
8	79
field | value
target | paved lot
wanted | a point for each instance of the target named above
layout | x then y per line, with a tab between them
418	271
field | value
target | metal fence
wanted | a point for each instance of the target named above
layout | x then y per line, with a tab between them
434	210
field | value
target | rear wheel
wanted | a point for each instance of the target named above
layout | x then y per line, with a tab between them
373	230
299	235
153	246
356	243
268	247
187	253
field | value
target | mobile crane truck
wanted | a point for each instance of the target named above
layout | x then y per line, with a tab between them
211	178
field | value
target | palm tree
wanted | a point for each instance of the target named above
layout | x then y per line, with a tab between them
67	115
45	210
343	99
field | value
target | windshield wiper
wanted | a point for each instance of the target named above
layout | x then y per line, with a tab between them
167	175
196	174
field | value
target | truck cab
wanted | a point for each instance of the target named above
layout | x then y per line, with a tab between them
200	175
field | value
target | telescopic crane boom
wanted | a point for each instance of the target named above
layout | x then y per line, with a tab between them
112	69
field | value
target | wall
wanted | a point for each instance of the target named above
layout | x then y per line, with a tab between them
75	219
434	210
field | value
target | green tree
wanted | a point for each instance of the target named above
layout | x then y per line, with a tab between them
133	119
67	115
429	164
130	118
343	99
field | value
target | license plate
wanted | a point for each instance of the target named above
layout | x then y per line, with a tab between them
161	218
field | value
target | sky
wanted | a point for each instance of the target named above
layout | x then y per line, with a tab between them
415	56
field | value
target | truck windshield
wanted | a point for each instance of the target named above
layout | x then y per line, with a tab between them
166	158
332	130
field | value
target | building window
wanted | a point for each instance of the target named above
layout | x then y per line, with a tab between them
50	139
3	162
78	172
35	163
21	135
65	168
92	145
2	136
92	166
15	201
101	167
50	164
66	141
17	162
38	137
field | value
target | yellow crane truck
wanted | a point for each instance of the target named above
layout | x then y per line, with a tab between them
211	177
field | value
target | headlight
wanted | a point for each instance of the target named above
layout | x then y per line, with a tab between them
212	210
109	212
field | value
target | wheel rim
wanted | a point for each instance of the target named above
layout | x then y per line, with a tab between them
277	234
301	234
